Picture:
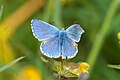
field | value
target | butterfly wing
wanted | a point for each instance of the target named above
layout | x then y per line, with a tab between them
42	30
69	49
51	48
74	32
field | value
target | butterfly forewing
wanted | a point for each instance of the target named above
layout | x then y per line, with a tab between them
74	32
42	30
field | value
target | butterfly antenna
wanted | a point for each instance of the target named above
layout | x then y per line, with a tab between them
76	22
53	23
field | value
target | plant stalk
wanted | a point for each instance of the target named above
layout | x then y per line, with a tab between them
100	37
57	14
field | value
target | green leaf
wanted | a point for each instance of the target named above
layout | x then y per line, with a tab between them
44	60
67	73
114	66
11	63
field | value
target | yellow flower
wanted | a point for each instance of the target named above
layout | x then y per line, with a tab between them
29	73
83	67
76	69
119	37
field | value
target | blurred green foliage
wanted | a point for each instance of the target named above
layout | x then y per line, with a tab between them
90	14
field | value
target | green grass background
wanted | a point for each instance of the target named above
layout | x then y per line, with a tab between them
98	46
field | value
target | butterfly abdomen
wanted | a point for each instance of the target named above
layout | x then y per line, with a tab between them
62	36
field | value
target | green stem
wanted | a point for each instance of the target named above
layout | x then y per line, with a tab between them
1	10
100	37
59	77
57	13
48	10
62	64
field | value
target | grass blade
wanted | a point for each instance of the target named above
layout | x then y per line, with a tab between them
114	66
1	10
10	64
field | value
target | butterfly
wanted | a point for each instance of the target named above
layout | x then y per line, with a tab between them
57	43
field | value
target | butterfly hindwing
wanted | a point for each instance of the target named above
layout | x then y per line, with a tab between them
42	30
69	49
51	48
74	32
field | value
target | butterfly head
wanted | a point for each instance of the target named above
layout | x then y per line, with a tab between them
62	29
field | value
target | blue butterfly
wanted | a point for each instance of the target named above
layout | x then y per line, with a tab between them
57	43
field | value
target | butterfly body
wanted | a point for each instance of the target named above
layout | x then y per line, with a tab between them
62	36
57	43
